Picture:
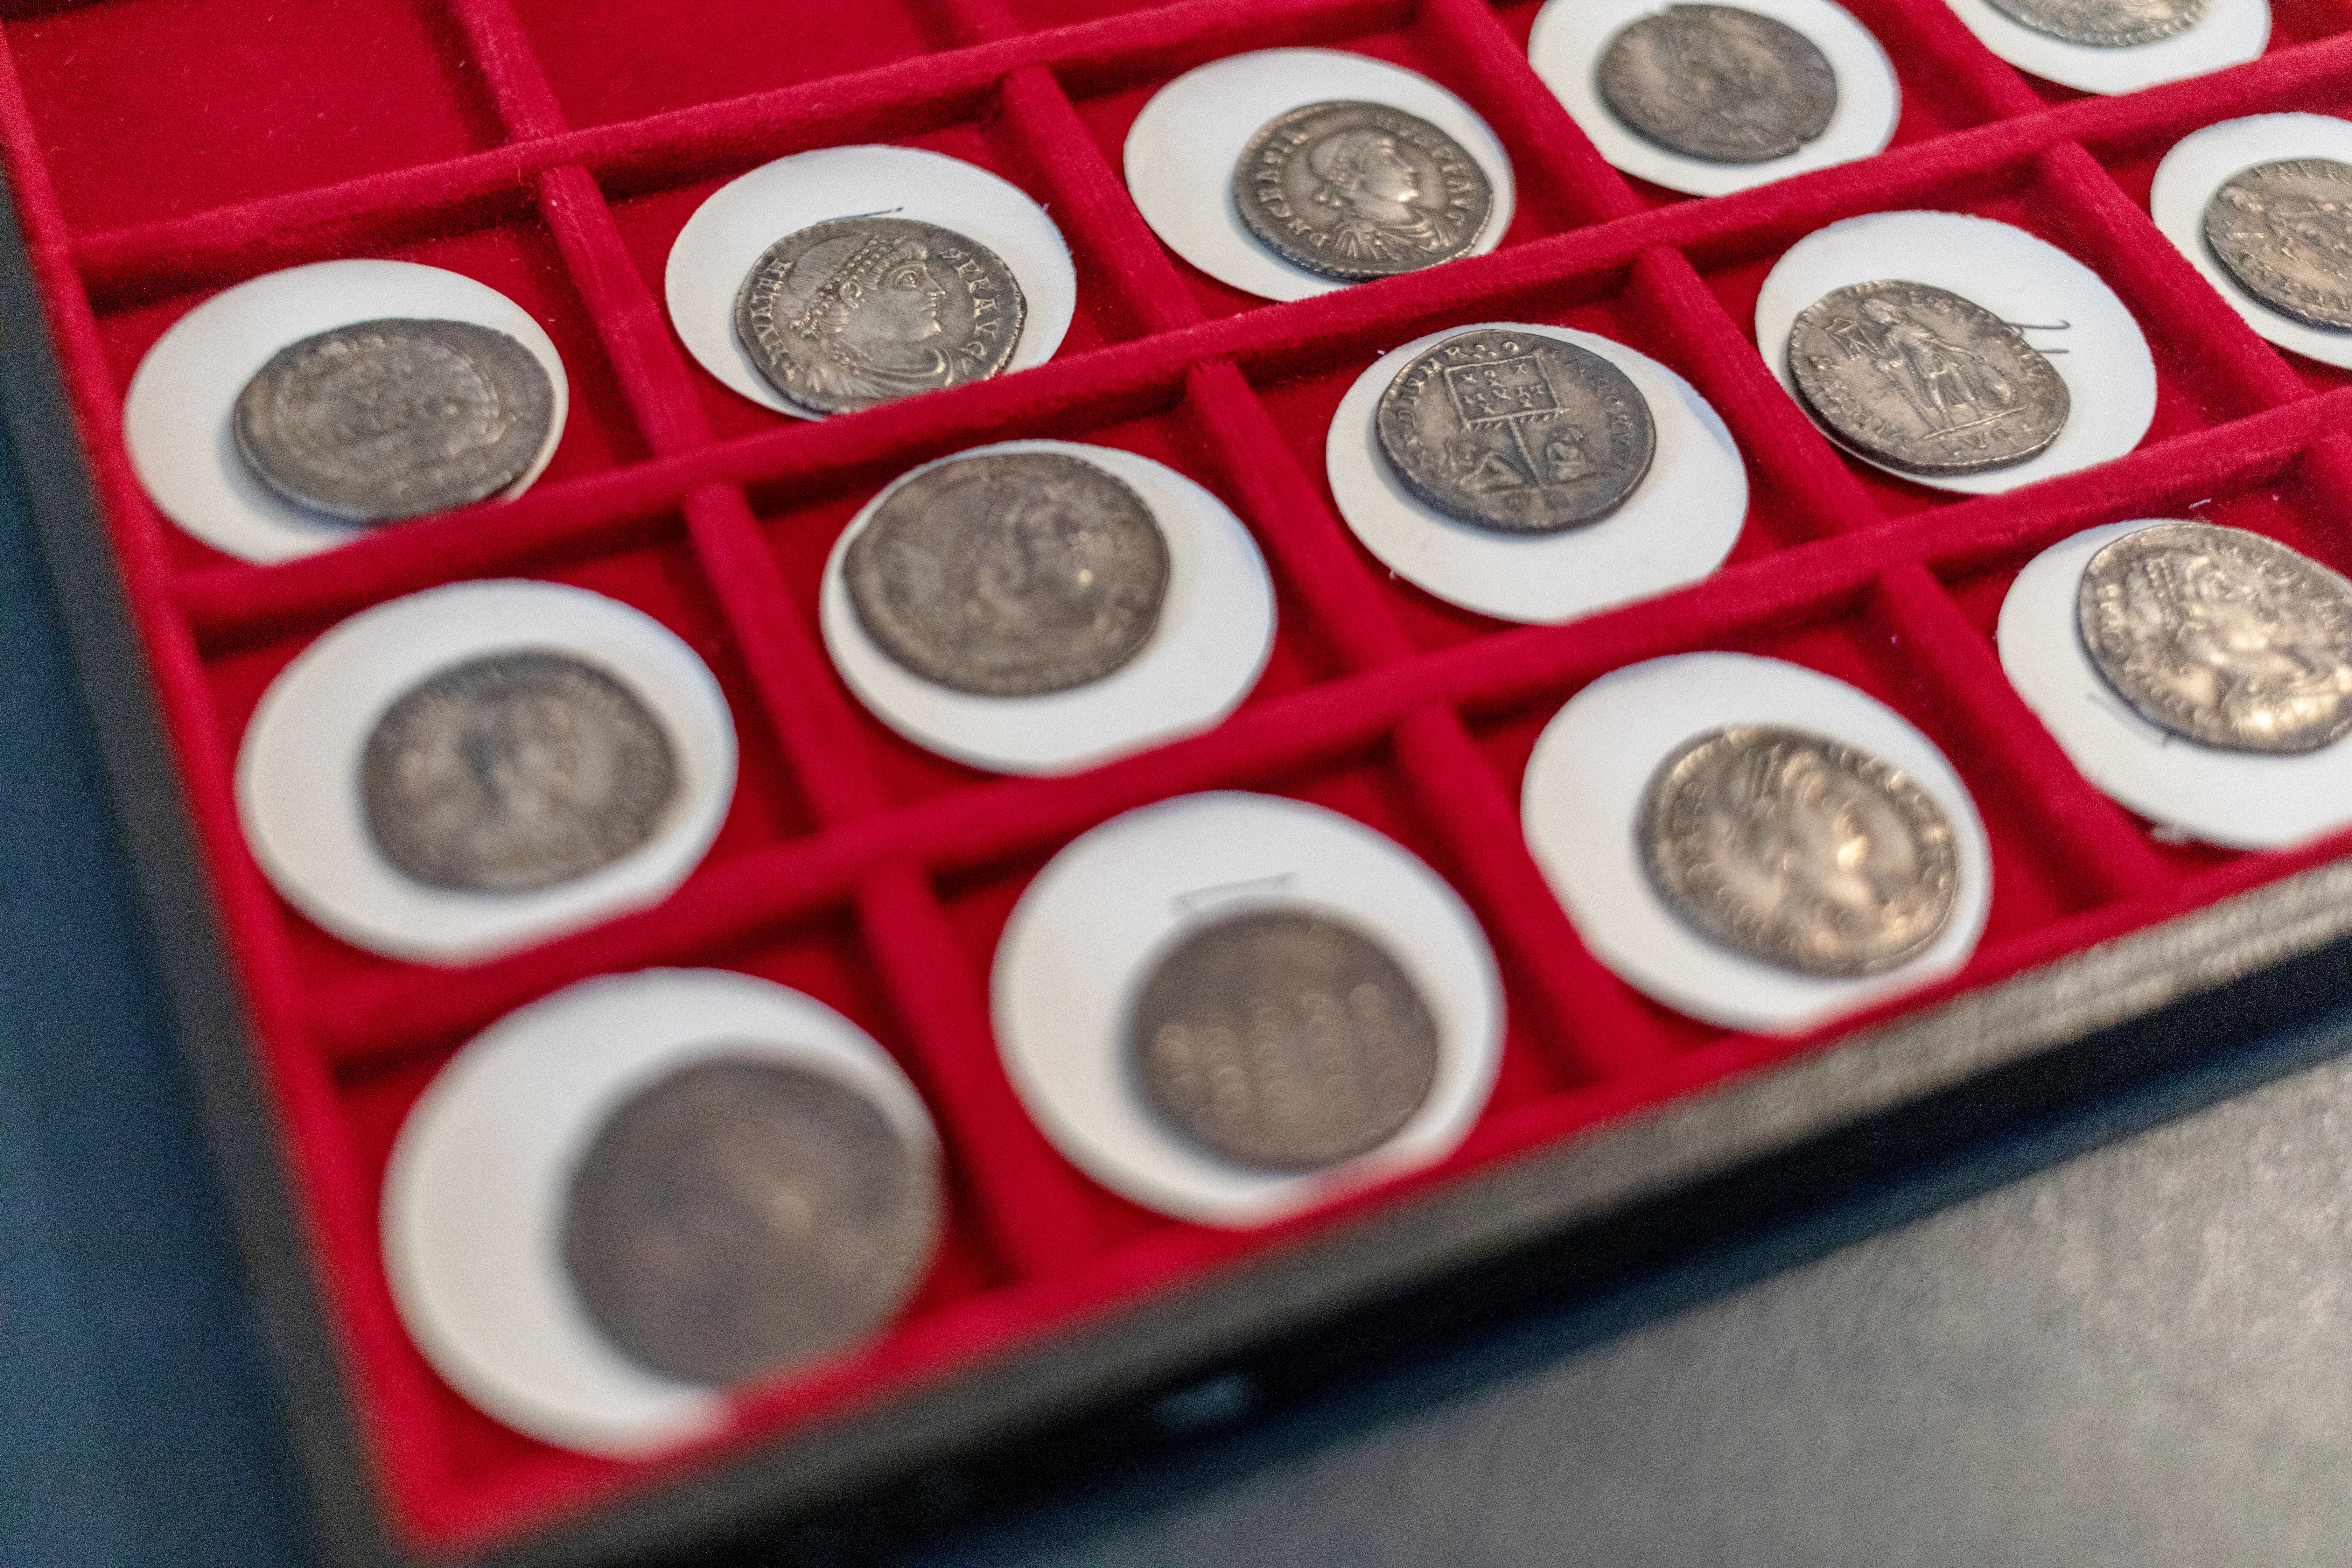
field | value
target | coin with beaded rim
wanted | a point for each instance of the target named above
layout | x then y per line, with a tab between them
2105	24
1355	191
1718	83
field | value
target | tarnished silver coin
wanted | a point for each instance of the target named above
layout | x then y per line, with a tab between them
2222	636
394	418
1922	380
2282	231
2105	24
1718	83
1515	432
514	772
741	1215
1010	575
1282	1040
1798	851
844	315
1360	190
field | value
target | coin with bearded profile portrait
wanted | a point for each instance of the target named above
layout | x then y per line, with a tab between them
848	314
2105	24
1355	191
1718	83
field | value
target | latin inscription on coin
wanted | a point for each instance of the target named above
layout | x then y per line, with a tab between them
2284	232
1010	575
2222	636
514	772
1516	433
1360	190
1718	83
1798	850
2105	24
394	418
741	1215
1923	380
844	315
1282	1040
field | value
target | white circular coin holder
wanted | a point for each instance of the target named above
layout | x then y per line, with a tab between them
1571	36
2230	33
2202	164
1677	526
731	230
1088	929
297	792
1214	634
2063	307
176	415
474	1193
1581	805
1181	150
2240	800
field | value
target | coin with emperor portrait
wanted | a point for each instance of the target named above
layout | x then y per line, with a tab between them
1356	191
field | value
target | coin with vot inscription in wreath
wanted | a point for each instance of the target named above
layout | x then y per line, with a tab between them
1360	190
1009	574
1516	433
2282	231
394	418
2105	24
741	1215
843	315
2222	636
1923	380
1798	850
1282	1040
1719	84
514	772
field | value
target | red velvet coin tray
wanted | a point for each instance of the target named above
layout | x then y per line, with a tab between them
161	150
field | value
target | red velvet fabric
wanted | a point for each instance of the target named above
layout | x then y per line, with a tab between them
161	150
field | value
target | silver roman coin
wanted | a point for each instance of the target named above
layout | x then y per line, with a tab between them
1798	851
2105	24
1922	380
2222	636
394	418
1360	190
741	1215
1282	1040
1516	433
2282	231
1010	575
1718	83
844	315
514	772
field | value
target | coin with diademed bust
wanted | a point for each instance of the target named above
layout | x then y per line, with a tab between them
1719	84
1355	191
2105	24
2282	231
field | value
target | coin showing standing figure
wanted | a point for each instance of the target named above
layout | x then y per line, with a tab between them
1360	190
742	1214
1719	84
1516	433
1923	380
843	315
394	418
2105	24
515	772
1282	1040
2282	231
1798	850
2222	636
1009	575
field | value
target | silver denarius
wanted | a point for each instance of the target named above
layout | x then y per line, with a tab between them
1360	190
1718	83
2105	24
2282	231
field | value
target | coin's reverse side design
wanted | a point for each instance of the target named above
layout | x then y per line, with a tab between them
1718	83
2222	636
741	1215
2105	24
514	772
1009	574
1798	850
1282	1040
2282	231
1516	433
1360	190
1923	380
844	315
394	418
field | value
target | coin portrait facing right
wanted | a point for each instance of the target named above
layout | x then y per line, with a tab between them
1719	84
1355	191
2105	24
